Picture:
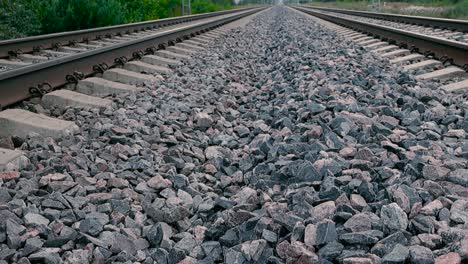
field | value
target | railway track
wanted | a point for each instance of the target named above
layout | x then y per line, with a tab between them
36	65
453	25
448	29
260	136
437	54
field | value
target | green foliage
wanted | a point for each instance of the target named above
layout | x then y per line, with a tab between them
17	20
64	15
140	10
203	6
20	18
459	10
200	6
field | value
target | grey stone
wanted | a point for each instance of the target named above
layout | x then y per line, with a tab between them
252	250
302	171
326	232
232	256
186	244
364	238
213	250
331	250
155	235
121	243
399	254
242	131
393	217
459	176
94	223
431	172
387	244
35	219
32	245
46	255
421	255
269	236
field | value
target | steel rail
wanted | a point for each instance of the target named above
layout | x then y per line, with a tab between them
49	41
440	48
15	84
452	24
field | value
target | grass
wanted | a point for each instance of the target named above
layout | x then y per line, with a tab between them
434	8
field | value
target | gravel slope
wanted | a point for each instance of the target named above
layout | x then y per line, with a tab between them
281	144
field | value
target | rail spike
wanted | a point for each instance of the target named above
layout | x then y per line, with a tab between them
445	59
40	89
137	55
413	49
121	60
15	53
429	53
75	77
151	50
56	46
100	68
37	49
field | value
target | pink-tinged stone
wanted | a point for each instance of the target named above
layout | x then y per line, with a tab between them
450	258
358	202
432	208
99	197
9	175
46	180
347	152
210	169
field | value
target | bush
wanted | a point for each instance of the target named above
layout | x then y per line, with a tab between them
142	10
200	6
203	6
17	20
66	15
459	10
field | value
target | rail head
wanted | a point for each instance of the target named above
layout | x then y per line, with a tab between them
444	23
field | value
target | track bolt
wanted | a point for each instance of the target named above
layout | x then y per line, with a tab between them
137	55
121	60
100	68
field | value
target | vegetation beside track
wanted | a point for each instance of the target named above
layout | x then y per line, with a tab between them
456	9
22	18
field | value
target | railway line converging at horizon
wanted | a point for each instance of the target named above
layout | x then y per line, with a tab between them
267	134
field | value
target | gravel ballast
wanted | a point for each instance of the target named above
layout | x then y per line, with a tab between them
281	143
